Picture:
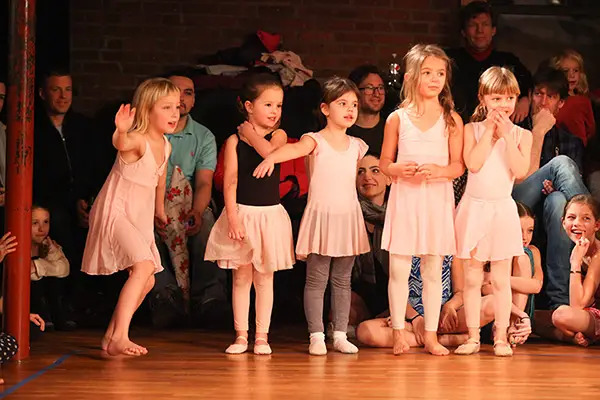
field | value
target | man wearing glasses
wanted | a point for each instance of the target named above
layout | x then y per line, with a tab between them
369	125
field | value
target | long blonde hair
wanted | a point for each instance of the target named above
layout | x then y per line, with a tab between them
582	85
494	80
413	61
145	97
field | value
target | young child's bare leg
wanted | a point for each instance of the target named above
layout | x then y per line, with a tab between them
111	325
129	301
575	325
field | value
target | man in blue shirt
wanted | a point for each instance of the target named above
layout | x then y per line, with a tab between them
194	150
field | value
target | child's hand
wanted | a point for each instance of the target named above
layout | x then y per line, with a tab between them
246	129
161	217
503	125
37	320
124	118
264	168
448	319
418	325
8	244
581	247
430	171
488	123
236	232
548	187
403	169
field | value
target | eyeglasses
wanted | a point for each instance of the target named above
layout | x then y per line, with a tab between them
369	90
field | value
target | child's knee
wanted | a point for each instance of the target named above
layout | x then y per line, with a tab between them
370	332
150	284
561	316
144	268
364	333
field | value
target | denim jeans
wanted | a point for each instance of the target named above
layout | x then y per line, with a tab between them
566	180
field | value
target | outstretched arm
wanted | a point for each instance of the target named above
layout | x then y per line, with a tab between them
289	151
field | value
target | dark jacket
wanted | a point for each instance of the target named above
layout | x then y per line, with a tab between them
64	165
467	70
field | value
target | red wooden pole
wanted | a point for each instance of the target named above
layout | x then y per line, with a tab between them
19	170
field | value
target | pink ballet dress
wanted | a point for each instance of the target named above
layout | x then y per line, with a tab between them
268	243
332	223
121	229
487	222
419	218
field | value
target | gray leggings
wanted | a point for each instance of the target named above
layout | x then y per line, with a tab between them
318	270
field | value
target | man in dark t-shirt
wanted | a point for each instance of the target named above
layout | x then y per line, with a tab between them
370	124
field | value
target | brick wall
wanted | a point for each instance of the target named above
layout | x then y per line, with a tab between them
117	43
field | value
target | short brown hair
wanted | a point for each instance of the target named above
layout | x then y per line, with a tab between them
336	87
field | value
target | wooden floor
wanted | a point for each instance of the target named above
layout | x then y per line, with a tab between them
192	365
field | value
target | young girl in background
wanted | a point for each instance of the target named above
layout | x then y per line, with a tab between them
422	152
487	222
253	235
526	280
332	231
121	233
576	114
49	267
579	322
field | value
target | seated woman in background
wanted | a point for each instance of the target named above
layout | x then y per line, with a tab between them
370	272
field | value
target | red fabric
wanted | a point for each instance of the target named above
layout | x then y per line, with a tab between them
479	56
269	40
577	117
293	167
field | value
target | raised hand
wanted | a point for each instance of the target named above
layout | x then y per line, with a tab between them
246	129
503	125
124	118
579	251
8	244
489	122
543	121
521	110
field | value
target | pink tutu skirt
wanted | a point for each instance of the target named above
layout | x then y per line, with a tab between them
488	230
267	245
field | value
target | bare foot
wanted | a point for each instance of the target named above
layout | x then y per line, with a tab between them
1	381
436	349
580	340
104	343
400	344
125	347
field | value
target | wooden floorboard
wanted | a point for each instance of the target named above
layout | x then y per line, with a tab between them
192	365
